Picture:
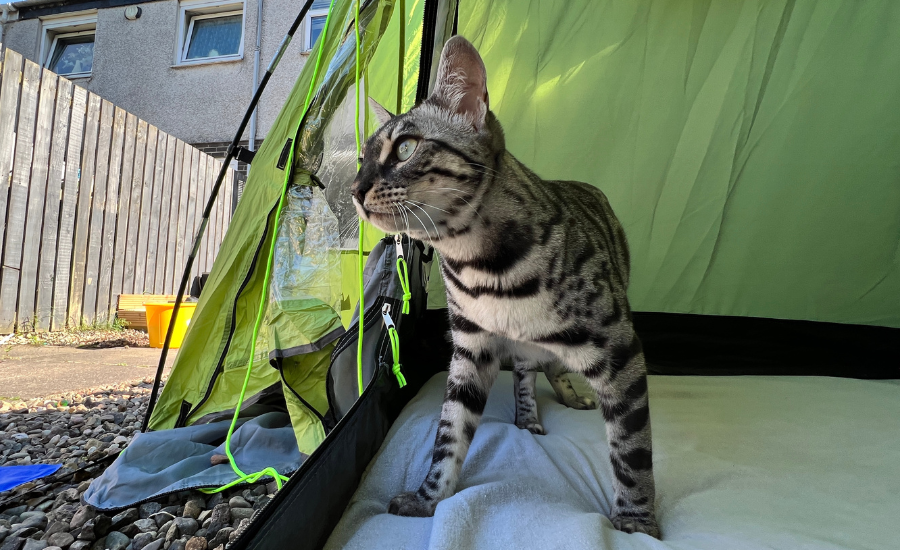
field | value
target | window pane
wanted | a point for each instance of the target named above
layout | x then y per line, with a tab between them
215	37
321	4
316	24
73	55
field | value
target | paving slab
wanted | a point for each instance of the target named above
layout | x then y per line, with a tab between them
38	371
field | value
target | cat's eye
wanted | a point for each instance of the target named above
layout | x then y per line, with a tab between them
406	148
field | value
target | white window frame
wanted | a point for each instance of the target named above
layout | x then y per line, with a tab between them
191	10
307	27
68	26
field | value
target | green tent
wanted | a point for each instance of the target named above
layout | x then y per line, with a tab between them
749	149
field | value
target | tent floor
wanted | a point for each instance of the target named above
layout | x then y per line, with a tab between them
740	462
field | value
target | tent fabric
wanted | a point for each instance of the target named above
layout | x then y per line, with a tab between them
749	148
160	463
740	463
210	366
13	476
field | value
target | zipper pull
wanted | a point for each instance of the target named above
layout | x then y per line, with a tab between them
386	316
395	343
402	274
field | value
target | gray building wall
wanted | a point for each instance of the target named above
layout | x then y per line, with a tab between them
134	67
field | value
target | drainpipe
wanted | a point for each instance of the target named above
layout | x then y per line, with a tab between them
259	17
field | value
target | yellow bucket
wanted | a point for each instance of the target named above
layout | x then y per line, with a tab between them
158	316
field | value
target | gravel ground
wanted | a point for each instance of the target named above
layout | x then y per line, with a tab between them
83	338
76	429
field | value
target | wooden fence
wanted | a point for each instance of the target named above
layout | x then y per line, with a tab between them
94	202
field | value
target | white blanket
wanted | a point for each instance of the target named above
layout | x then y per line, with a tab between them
740	463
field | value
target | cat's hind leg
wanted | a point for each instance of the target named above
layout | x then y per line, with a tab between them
524	376
559	379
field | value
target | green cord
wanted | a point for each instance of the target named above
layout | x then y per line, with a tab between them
403	274
252	478
360	264
395	348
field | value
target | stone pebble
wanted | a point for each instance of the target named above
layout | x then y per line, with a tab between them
73	428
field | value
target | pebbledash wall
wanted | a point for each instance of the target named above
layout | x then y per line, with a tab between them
135	63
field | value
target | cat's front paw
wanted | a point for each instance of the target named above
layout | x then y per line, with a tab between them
631	524
532	426
411	505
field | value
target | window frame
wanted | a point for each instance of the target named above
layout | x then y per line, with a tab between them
55	28
189	11
307	27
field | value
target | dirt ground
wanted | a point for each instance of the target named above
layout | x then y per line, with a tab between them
35	371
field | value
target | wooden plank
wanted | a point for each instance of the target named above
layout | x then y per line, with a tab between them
125	187
213	228
98	208
227	188
55	180
191	221
155	204
202	196
9	102
18	198
129	272
211	174
165	219
40	167
182	240
104	277
68	210
226	204
83	212
174	214
140	262
131	307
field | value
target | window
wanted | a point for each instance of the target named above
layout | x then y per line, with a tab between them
67	46
315	23
210	32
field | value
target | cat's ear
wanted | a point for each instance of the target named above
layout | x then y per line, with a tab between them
461	85
382	114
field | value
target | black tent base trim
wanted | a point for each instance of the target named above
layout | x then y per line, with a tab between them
684	344
714	345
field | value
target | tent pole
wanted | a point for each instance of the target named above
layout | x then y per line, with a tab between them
185	277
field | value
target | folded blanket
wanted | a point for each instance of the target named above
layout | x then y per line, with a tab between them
741	463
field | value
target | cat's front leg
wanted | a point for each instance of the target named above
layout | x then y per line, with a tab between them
472	372
619	376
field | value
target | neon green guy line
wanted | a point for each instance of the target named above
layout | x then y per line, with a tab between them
252	478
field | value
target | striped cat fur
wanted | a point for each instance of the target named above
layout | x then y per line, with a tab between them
536	274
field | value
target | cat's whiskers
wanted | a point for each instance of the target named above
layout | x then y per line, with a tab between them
428	205
436	232
462	198
424	227
485	169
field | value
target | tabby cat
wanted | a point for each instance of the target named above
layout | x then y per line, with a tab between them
536	273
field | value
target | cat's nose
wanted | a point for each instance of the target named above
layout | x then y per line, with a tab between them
359	190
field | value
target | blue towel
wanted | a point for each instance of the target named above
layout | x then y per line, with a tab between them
168	461
13	476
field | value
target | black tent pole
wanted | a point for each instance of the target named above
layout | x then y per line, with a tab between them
185	277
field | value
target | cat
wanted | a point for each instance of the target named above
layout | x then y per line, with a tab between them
536	272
